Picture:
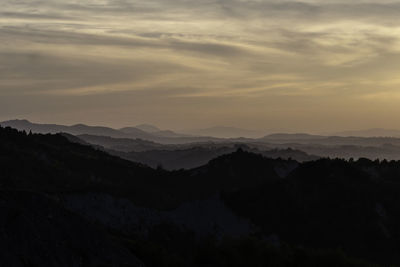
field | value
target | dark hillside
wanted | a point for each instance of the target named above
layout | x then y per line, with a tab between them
37	231
51	163
329	204
298	214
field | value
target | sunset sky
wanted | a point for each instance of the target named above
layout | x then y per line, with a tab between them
314	66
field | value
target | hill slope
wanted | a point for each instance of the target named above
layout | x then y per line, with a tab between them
165	137
38	231
319	205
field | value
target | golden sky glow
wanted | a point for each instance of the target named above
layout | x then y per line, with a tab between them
313	66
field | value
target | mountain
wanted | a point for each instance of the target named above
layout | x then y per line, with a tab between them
54	128
88	208
196	156
165	137
132	131
36	171
171	134
136	140
186	156
193	155
385	151
144	127
375	132
338	146
226	132
292	137
329	140
119	144
37	128
39	231
53	163
152	130
330	203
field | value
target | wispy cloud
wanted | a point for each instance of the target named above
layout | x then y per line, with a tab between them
168	52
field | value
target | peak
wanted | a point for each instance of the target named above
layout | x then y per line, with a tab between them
147	128
292	136
239	155
16	123
145	125
18	120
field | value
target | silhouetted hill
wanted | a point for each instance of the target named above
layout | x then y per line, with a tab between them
329	140
226	132
330	203
245	168
51	163
120	144
38	231
165	137
171	134
131	131
331	146
197	155
153	130
375	132
172	157
337	146
293	214
292	137
78	140
144	127
54	128
385	151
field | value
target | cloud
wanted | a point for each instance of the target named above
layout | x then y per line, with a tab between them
166	52
37	73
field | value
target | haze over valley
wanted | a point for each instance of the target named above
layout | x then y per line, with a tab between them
149	145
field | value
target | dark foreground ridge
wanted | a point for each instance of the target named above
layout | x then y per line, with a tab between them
37	231
67	204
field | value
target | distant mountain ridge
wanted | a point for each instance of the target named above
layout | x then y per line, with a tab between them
56	128
145	127
64	195
227	132
151	129
164	137
119	144
132	139
296	136
374	132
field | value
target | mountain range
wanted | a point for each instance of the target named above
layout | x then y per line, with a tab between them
174	151
162	136
226	132
374	132
89	208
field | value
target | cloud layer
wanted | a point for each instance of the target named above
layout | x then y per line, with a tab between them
303	65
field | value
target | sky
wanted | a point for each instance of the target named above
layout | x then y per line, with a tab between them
311	66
